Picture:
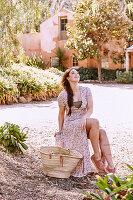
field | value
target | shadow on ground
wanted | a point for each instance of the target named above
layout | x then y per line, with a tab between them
21	177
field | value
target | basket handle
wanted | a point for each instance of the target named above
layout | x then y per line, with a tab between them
61	161
61	157
50	156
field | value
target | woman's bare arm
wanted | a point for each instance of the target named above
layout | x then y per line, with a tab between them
61	116
89	107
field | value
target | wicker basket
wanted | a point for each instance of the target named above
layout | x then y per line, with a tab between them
59	162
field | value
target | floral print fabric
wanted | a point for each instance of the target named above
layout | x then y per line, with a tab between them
72	137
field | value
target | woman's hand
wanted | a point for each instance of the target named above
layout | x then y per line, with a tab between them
57	133
83	123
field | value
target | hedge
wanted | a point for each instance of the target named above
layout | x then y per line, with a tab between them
92	74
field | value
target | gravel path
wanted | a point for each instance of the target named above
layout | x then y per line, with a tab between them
21	177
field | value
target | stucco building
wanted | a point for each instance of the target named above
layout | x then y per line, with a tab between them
53	34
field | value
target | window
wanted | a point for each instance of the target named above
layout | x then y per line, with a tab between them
75	62
105	63
63	32
63	24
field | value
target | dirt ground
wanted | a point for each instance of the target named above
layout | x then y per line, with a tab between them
21	176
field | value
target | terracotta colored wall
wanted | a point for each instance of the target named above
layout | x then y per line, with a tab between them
31	44
91	62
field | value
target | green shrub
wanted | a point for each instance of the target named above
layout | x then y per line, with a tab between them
60	68
8	89
88	73
36	62
124	77
108	74
20	80
61	57
55	71
26	78
92	74
112	187
31	80
12	138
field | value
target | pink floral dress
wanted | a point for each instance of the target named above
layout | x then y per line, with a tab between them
72	137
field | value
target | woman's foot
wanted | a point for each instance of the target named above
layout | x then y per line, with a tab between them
110	170
104	161
98	164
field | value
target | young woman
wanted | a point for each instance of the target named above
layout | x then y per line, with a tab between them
76	126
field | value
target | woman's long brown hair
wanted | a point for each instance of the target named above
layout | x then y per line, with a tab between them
67	87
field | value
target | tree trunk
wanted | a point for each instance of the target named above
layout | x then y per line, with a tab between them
99	66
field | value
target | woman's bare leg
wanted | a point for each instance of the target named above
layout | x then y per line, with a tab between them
92	127
105	148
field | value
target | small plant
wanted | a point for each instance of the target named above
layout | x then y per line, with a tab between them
37	62
112	187
61	58
12	138
124	77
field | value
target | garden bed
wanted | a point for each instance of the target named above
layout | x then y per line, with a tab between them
20	83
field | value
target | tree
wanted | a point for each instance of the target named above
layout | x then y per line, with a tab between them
22	16
17	17
96	22
127	7
129	13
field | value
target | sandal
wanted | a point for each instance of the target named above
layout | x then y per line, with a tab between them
98	164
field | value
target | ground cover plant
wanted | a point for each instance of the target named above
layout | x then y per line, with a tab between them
112	187
27	81
12	138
